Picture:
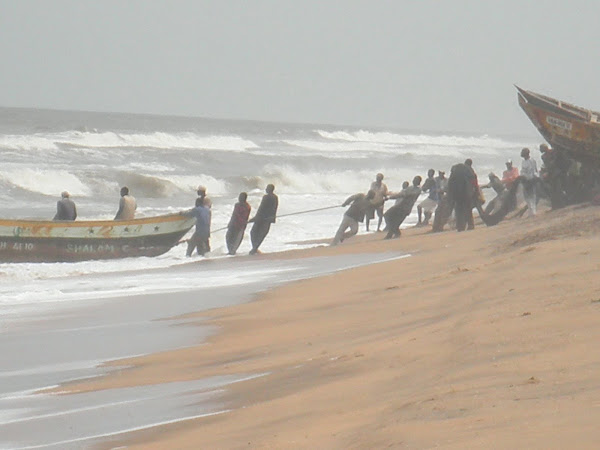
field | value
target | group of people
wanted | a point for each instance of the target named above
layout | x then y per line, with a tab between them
66	209
459	195
200	240
261	222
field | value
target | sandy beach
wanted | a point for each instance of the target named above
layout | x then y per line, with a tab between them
481	339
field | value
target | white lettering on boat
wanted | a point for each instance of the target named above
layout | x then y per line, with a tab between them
90	248
554	121
18	246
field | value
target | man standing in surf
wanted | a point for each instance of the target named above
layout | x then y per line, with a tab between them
237	224
200	240
265	216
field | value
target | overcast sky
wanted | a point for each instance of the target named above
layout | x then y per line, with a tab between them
419	64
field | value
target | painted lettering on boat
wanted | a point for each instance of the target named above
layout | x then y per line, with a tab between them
90	248
554	121
20	246
17	246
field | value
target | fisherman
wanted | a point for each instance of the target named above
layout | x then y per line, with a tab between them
200	240
427	206
554	176
127	205
360	204
65	208
510	174
462	197
202	194
265	216
381	191
405	200
478	198
498	187
529	174
442	184
237	224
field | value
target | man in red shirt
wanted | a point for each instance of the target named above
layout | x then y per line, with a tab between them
510	174
237	224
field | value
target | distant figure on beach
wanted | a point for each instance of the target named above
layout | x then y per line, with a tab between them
127	205
360	204
381	191
510	174
202	194
265	216
496	184
405	200
200	240
426	208
237	224
529	174
65	208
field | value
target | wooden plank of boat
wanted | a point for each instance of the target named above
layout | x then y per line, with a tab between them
565	126
59	241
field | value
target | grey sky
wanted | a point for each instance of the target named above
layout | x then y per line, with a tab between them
427	64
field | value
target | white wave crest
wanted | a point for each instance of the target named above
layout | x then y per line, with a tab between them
416	139
159	140
48	182
293	181
214	186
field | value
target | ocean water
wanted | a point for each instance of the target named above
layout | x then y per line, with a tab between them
164	159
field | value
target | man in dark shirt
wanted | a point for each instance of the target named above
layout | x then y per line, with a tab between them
462	192
497	185
265	216
65	208
360	204
405	200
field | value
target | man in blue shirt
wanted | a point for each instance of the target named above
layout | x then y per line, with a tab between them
201	237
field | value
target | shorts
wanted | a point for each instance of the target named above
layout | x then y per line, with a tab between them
428	205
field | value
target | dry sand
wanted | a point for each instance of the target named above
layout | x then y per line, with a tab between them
482	339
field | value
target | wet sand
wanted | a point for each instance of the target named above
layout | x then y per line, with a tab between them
73	339
482	339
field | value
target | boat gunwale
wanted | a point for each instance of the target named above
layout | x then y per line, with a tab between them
573	111
174	217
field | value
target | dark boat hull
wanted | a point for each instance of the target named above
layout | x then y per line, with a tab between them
44	241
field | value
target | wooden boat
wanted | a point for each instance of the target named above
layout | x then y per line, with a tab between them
565	126
61	241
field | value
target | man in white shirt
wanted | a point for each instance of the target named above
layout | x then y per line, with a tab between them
127	205
529	174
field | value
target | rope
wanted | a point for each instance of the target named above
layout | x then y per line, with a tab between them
283	215
309	211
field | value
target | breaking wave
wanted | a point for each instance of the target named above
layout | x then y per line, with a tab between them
48	182
414	139
160	140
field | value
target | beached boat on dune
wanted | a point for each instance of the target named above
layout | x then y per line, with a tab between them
565	126
61	241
